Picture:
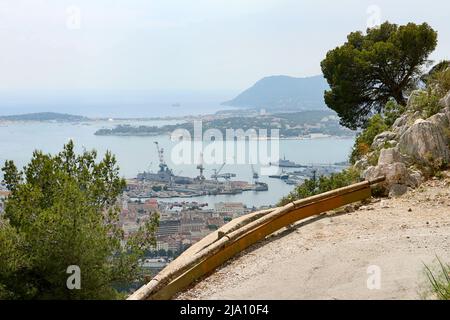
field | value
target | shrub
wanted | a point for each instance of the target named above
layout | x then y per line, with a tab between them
311	187
365	139
63	211
439	280
439	81
373	158
427	102
392	111
438	85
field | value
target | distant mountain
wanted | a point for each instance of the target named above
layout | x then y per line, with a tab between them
283	93
44	116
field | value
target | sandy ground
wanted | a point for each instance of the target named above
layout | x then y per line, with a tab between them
329	257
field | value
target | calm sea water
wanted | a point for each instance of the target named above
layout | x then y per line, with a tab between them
136	154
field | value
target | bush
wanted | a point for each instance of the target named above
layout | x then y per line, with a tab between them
438	85
63	211
312	187
392	111
365	139
439	80
427	102
439	280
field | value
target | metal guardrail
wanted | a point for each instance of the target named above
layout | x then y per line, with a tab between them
218	247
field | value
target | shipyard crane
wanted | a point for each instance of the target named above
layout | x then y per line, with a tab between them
215	176
226	176
255	174
162	163
200	167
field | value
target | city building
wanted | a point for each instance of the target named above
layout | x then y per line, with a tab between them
168	227
232	209
151	205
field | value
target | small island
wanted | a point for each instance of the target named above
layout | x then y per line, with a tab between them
303	124
45	116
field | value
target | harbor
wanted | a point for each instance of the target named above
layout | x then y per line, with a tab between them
165	184
138	155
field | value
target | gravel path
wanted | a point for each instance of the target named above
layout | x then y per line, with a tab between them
328	257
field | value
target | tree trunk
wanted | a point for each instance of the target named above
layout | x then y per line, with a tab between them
399	98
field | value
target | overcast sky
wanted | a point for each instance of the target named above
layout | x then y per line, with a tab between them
169	45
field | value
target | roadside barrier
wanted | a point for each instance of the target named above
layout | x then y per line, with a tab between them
218	247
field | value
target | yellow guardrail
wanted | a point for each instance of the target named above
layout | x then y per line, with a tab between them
221	245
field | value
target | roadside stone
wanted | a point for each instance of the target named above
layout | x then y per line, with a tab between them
395	173
397	190
414	179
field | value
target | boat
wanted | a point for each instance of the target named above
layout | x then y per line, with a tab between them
283	163
283	176
261	186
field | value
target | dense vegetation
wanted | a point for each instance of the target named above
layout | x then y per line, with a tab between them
364	140
424	101
62	212
369	70
370	77
322	184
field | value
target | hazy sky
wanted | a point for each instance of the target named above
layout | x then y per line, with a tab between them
174	45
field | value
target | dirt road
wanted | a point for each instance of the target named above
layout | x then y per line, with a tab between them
333	256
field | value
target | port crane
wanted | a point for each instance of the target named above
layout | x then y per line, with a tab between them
201	168
227	176
255	174
215	176
162	164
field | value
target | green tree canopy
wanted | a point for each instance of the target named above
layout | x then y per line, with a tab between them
61	212
369	69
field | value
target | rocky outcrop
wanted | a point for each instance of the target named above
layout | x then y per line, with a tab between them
387	137
411	142
389	156
426	142
445	102
396	173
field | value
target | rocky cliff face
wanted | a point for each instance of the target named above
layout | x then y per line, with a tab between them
411	150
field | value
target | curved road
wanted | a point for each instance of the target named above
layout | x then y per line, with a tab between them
374	252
